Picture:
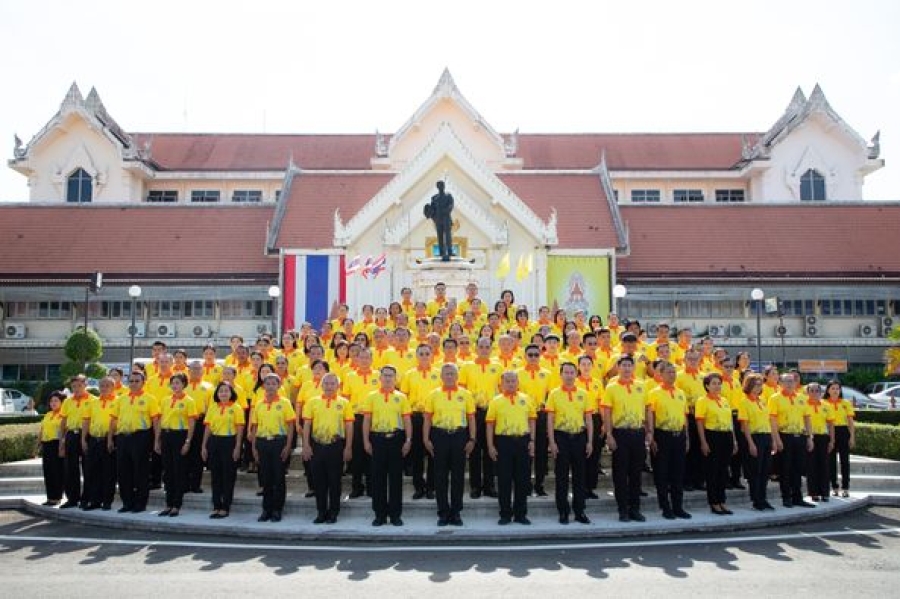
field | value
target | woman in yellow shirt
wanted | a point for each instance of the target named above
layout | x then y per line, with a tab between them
222	446
51	462
844	437
821	420
753	415
717	442
173	441
594	387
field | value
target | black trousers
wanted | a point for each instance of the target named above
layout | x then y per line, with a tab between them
360	466
195	463
175	467
327	464
100	479
736	465
73	467
541	450
817	474
481	467
570	459
842	452
693	466
387	474
155	469
133	467
592	463
443	226
668	468
273	472
223	470
449	470
512	475
423	479
53	467
627	466
793	461
758	468
721	446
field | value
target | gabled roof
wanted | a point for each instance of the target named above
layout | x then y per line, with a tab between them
821	239
191	242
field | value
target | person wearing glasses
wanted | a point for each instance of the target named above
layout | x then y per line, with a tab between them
535	381
844	437
416	384
134	423
821	421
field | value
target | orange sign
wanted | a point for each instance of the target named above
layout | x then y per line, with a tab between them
822	365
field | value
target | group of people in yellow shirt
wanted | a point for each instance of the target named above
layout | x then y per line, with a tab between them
424	388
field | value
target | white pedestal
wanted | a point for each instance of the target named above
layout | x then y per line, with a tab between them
456	275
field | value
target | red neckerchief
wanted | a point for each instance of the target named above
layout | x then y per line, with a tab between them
511	397
790	396
134	396
175	398
269	402
386	394
815	403
569	391
627	384
586	380
718	400
532	369
105	399
450	391
669	389
328	400
223	405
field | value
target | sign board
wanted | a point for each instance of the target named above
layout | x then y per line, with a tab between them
836	366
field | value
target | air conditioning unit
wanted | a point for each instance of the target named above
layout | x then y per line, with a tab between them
811	329
717	330
867	330
201	330
262	329
737	330
140	329
14	330
812	321
887	325
782	331
164	329
652	329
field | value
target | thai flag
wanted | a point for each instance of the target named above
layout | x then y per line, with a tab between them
365	268
313	285
378	266
354	265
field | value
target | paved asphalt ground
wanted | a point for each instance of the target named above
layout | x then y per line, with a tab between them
856	555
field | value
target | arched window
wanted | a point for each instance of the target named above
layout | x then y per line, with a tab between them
812	186
80	187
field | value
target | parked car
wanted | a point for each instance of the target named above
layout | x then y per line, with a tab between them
880	386
889	398
860	400
13	401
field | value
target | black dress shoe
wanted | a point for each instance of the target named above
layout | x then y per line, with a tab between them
591	495
668	514
564	518
165	512
504	520
475	494
330	519
688	488
429	494
156	487
582	518
397	521
738	485
68	505
124	509
636	516
803	503
264	517
320	519
197	490
456	521
522	520
758	507
138	509
357	493
681	514
490	493
624	518
419	494
89	507
379	521
106	507
767	506
51	503
540	492
725	511
260	493
645	493
443	521
276	516
787	503
310	493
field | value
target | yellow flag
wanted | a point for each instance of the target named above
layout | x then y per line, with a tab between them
503	267
521	269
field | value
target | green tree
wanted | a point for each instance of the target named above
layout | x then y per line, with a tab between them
83	349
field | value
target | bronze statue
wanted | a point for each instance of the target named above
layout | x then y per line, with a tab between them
439	210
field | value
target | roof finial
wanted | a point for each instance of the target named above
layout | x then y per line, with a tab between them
875	146
381	147
73	96
445	84
512	144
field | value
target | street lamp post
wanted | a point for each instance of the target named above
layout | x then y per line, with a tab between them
134	292
758	296
274	294
619	292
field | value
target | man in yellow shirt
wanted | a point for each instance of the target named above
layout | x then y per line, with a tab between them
271	433
387	438
668	412
201	391
535	381
482	378
690	381
440	299
74	410
570	429
406	357
625	420
357	387
100	461
510	438
417	383
792	431
327	445
471	294
134	423
449	436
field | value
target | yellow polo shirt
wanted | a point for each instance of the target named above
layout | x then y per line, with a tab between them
733	393
449	407
296	358
212	373
51	426
568	406
482	379
594	389
692	385
99	415
273	418
202	394
670	408
790	411
177	412
820	415
417	384
158	385
387	409
76	410
435	305
551	365
627	402
358	385
224	419
404	360
756	415
843	411
535	383
510	414
715	414
328	417
135	412
385	357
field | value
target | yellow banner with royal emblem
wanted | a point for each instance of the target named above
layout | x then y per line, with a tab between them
579	283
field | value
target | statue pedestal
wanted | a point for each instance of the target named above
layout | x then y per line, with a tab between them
455	274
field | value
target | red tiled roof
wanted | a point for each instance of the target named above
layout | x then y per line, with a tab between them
153	240
583	213
801	240
257	152
308	220
632	151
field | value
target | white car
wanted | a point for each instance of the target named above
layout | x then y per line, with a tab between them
859	399
889	399
13	401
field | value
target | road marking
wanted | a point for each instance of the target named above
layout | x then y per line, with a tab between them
454	548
